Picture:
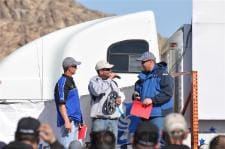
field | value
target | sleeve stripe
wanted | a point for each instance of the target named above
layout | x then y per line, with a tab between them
61	86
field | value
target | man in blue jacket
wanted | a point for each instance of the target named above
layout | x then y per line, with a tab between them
69	115
155	86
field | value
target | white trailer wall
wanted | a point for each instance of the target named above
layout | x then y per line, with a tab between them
209	57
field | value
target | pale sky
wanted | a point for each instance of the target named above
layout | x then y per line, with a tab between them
169	14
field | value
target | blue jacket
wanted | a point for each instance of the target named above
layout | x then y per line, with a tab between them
66	93
157	85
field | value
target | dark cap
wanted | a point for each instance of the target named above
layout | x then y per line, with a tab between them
17	145
69	61
146	134
28	126
146	56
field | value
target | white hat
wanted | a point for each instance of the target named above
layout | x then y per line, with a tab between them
103	64
175	121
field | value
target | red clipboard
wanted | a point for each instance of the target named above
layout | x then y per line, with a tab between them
139	110
82	132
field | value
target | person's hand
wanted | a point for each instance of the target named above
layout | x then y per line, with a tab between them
112	75
68	126
46	133
136	96
81	124
147	101
118	101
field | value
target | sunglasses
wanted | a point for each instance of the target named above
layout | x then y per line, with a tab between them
142	62
74	66
106	69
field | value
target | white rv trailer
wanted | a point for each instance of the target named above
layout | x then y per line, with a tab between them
208	58
201	47
28	75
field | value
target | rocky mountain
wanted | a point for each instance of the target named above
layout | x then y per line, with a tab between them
22	21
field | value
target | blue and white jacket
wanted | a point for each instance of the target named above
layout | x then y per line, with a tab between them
157	85
66	93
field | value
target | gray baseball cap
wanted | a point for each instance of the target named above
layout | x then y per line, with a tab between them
146	56
69	61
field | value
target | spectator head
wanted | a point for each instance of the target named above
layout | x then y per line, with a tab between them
146	136
102	140
175	127
75	145
28	131
218	142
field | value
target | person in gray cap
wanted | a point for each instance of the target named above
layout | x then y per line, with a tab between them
155	87
69	115
105	98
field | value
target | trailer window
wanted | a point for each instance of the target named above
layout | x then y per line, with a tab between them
123	55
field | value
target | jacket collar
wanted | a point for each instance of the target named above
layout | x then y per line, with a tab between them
69	77
159	67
